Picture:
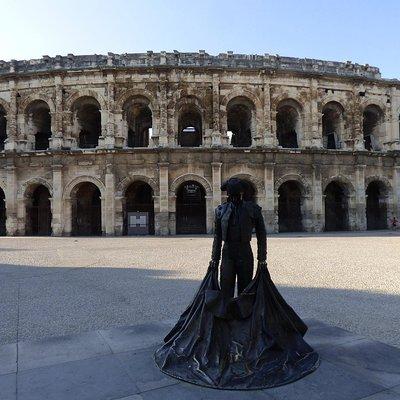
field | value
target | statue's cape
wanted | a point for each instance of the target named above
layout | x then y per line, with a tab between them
249	342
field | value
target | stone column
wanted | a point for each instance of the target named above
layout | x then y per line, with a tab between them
56	201
317	203
269	139
360	199
163	119
269	212
56	140
396	191
162	217
67	216
312	136
12	132
11	201
216	184
394	129
109	200
216	133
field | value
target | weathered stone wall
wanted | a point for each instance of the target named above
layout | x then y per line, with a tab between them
169	82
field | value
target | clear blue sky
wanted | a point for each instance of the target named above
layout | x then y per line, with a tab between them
363	31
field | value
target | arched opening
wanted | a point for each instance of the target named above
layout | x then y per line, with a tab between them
288	123
3	127
190	208
239	121
88	118
3	214
289	207
38	212
139	209
336	208
332	115
139	121
376	206
190	130
39	123
86	210
372	125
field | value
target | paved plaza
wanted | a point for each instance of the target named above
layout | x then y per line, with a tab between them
60	286
81	317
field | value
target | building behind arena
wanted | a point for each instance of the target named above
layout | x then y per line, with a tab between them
86	140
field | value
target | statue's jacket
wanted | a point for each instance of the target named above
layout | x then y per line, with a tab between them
250	218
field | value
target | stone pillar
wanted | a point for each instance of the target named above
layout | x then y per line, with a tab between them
12	132
56	140
396	192
109	200
162	217
216	184
360	199
269	212
394	128
216	133
269	139
312	136
11	201
67	216
317	203
56	201
163	119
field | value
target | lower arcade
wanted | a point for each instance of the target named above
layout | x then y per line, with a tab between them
97	192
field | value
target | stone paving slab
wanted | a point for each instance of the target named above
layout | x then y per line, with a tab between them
117	364
8	358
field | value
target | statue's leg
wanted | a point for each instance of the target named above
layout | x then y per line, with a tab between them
245	267
227	276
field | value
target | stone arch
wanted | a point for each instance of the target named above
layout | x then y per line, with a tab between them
304	186
72	185
242	92
343	181
375	103
190	177
129	94
85	93
27	101
27	186
377	178
124	183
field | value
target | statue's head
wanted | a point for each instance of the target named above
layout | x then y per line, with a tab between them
235	188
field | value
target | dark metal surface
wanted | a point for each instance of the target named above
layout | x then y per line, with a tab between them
252	341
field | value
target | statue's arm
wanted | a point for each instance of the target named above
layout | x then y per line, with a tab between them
261	234
217	242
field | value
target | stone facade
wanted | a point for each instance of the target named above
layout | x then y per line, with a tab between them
319	136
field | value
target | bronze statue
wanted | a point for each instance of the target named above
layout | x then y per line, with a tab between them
251	341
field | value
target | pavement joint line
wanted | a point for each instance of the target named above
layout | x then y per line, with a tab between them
17	346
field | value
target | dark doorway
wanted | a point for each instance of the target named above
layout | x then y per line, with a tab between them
372	118
139	120
38	114
139	197
190	209
86	216
286	122
3	128
336	208
190	128
376	206
289	207
38	212
331	125
89	119
239	122
3	230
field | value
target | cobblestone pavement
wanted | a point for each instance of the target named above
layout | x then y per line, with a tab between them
60	286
